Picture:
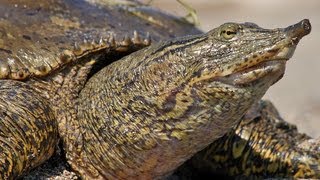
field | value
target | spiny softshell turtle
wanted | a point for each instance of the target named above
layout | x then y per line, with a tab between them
139	117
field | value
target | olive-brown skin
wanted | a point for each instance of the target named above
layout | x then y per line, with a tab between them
170	100
262	145
28	128
51	46
247	151
132	120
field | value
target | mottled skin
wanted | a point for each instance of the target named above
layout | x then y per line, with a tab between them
51	46
262	145
188	92
245	152
139	117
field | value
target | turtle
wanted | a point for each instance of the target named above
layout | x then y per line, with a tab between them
138	106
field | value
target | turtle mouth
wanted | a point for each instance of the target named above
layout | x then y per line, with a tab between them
257	72
272	60
274	66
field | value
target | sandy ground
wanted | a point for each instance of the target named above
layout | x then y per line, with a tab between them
297	95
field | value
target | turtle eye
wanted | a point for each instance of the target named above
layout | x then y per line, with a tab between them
228	32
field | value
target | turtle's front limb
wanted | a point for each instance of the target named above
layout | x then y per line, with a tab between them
262	145
28	130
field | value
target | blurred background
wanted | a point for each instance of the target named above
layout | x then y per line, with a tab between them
297	95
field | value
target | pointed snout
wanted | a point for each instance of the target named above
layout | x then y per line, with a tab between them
297	31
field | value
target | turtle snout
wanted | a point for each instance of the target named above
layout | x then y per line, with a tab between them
297	31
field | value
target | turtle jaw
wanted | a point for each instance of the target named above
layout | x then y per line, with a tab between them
252	74
274	67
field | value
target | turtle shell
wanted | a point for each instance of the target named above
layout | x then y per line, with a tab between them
39	38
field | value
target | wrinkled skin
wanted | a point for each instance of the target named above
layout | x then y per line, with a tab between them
206	84
49	45
144	115
262	145
241	153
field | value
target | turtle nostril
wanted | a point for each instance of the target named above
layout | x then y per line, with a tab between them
306	25
297	31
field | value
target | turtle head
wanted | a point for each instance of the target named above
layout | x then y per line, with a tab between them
239	54
241	61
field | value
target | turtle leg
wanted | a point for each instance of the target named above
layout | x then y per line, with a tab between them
263	145
28	130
